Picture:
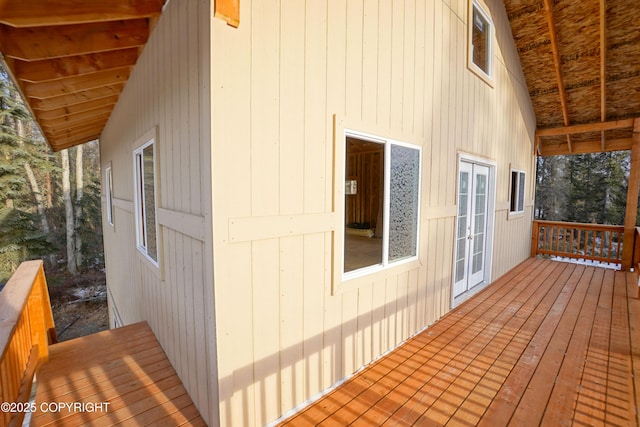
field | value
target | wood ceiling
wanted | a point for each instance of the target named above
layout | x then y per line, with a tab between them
581	60
72	58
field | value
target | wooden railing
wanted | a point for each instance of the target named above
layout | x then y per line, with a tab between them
594	242
26	330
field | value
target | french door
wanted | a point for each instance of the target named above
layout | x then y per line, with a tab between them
471	226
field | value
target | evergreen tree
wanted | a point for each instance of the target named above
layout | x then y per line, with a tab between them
590	188
551	188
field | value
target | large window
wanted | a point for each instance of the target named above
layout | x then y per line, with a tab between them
108	178
517	191
480	42
145	201
382	203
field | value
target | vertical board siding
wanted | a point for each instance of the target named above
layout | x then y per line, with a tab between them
167	92
278	81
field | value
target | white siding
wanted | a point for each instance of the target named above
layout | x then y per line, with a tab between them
169	92
287	328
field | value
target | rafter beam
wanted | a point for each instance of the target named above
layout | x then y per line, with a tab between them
38	13
32	44
53	69
585	147
53	88
71	110
61	144
78	119
76	98
556	63
79	132
590	127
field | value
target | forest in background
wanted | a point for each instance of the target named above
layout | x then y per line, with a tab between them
588	188
49	202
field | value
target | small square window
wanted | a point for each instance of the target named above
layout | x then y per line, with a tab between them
108	183
480	42
382	200
517	192
145	201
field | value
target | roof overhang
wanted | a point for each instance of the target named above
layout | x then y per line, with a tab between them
71	60
580	61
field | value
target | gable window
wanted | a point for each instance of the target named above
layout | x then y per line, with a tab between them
145	201
382	201
517	192
108	182
481	42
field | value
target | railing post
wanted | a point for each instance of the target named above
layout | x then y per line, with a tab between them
633	189
535	235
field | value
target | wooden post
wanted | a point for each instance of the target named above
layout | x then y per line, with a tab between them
535	235
632	200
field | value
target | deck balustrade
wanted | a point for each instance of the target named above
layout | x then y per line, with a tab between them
593	242
26	330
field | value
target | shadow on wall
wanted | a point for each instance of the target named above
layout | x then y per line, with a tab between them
260	384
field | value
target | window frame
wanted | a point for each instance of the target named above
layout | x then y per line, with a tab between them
108	178
517	192
487	77
139	203
386	264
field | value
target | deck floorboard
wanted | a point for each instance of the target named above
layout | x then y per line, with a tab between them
124	368
549	343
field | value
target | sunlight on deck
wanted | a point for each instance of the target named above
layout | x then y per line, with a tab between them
549	343
120	376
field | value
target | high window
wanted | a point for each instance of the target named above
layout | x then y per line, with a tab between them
145	201
517	192
382	203
481	42
108	182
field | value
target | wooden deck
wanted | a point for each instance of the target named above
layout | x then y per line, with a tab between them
549	343
115	377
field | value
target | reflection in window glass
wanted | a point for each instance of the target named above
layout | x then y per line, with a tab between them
404	201
146	229
480	40
150	203
109	191
517	192
382	204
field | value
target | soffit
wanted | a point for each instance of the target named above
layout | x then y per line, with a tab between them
72	58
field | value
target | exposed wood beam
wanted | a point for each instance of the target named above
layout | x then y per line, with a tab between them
37	13
52	88
590	127
33	44
76	98
78	128
633	190
52	69
228	10
61	144
76	119
95	104
585	147
76	132
556	63
603	67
